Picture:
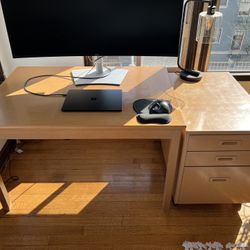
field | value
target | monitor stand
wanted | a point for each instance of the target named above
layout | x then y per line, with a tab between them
98	75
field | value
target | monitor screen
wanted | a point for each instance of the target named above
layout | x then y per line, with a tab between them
38	28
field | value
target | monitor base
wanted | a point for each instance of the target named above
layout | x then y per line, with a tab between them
114	77
98	70
90	74
98	75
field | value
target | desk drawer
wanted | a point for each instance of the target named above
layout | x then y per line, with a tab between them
215	185
218	142
227	158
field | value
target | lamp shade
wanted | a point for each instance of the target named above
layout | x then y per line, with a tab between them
209	27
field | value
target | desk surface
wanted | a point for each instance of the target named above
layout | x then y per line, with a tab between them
27	116
218	103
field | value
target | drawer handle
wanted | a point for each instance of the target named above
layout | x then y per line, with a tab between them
229	143
219	179
225	158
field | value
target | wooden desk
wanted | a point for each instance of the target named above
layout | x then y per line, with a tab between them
24	116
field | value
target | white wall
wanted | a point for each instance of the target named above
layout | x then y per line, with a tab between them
9	64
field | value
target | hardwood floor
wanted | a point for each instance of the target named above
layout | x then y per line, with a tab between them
105	195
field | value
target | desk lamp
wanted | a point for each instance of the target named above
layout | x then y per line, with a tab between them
208	32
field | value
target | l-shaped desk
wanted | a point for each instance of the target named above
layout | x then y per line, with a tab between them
215	110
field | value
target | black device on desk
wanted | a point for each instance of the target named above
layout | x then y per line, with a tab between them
153	111
93	100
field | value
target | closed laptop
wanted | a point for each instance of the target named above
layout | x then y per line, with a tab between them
93	100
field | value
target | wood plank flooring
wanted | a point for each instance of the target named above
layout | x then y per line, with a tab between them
105	195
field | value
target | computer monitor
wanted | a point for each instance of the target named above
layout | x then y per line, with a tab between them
44	28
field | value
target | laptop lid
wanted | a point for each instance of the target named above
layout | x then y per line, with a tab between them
92	100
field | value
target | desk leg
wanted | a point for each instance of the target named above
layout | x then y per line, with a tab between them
171	152
4	196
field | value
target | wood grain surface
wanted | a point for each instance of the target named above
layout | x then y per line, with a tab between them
105	195
27	116
218	103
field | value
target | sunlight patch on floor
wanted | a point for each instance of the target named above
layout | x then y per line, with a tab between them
53	198
73	199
